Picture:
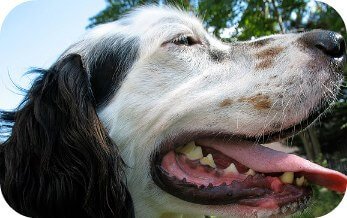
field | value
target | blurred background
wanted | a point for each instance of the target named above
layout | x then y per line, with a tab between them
35	33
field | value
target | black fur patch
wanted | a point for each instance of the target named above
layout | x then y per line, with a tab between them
59	161
217	55
113	59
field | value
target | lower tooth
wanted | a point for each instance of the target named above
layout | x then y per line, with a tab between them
287	177
250	172
186	148
196	154
191	151
231	169
208	160
300	181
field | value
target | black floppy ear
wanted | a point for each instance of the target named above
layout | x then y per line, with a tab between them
58	160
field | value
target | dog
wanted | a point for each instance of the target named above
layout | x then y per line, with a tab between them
151	115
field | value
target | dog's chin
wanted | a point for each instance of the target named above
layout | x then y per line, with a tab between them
214	168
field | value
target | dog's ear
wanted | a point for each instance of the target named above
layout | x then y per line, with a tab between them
58	160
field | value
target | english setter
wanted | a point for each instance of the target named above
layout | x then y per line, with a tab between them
151	115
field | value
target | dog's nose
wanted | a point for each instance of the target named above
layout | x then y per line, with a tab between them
330	43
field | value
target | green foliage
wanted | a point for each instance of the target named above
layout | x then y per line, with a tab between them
332	130
322	202
325	17
258	13
116	8
184	4
219	14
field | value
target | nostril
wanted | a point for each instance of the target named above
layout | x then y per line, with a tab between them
342	50
332	45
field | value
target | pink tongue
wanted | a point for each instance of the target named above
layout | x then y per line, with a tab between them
266	160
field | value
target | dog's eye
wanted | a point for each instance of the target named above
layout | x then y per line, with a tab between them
185	40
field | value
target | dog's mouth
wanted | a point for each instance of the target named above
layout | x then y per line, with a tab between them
222	169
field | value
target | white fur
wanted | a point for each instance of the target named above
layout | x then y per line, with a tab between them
174	89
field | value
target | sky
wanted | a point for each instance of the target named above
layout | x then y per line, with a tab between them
34	34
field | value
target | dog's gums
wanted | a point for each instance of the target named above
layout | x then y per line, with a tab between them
215	171
223	180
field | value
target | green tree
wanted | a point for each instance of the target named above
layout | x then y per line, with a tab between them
116	8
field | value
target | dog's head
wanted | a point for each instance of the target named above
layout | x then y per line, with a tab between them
186	112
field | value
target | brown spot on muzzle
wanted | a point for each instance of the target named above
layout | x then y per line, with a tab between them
263	65
258	101
226	102
266	57
269	53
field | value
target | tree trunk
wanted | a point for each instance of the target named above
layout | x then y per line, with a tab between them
279	16
307	145
311	143
315	142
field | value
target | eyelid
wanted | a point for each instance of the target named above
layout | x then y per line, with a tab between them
179	38
196	41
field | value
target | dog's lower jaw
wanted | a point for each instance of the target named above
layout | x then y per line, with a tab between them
188	210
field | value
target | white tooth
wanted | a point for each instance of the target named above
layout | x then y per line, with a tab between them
231	169
300	181
208	160
186	148
287	177
196	154
250	172
191	151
